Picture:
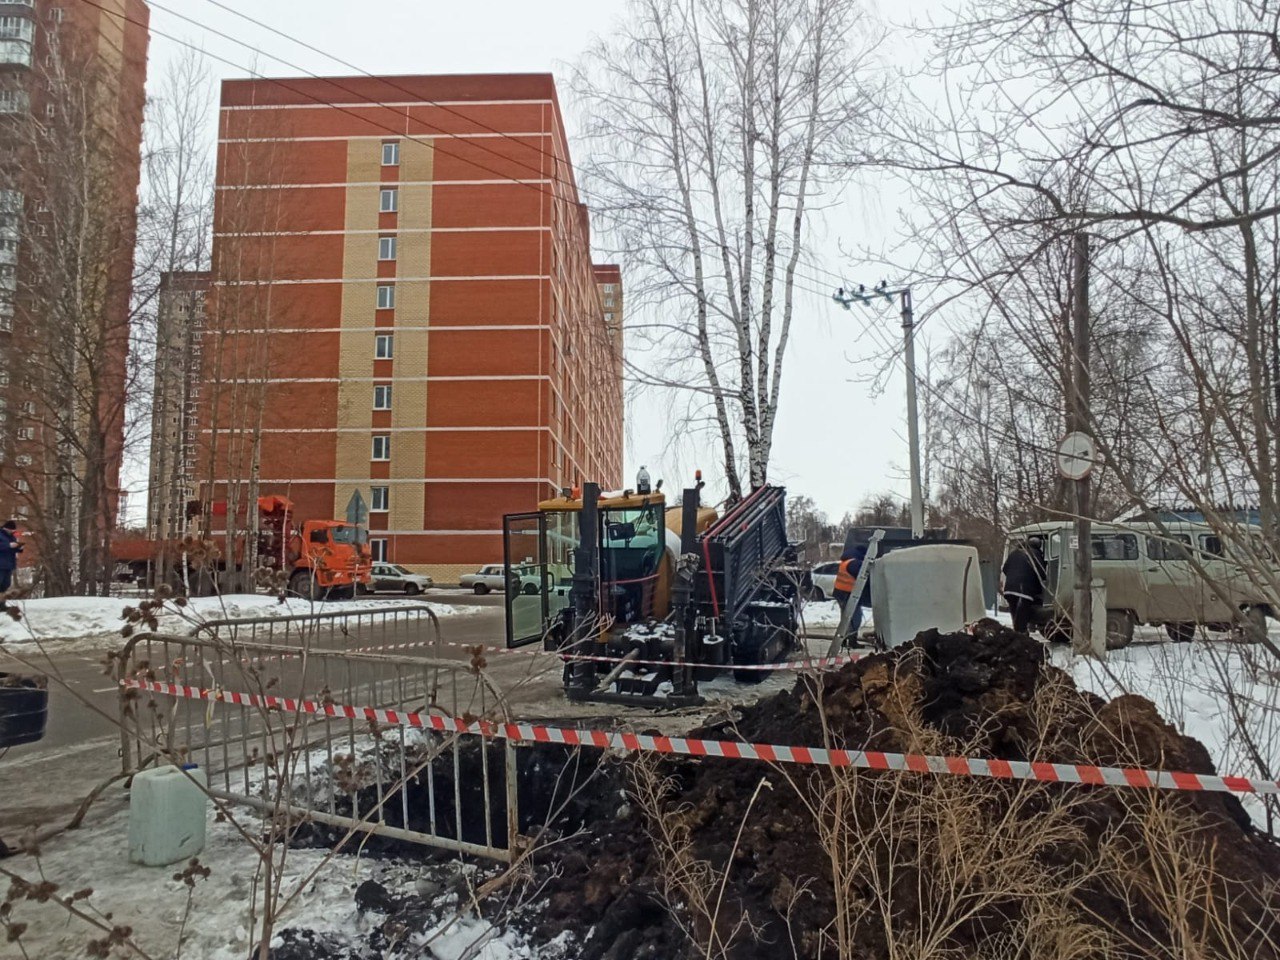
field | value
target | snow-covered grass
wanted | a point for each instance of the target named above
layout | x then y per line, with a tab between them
217	926
1223	693
92	618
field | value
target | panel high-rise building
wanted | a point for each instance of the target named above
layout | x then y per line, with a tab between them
405	304
72	93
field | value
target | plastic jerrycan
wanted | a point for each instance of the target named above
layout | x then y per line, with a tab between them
167	815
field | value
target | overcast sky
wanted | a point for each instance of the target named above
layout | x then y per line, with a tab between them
837	438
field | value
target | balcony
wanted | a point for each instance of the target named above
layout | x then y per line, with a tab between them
16	35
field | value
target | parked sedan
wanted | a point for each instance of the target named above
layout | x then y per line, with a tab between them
824	580
393	578
489	577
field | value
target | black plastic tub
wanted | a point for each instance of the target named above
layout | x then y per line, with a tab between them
24	709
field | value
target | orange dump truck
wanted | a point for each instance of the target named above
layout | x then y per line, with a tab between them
323	558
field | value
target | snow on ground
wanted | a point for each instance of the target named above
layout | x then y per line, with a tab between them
1223	693
218	925
92	618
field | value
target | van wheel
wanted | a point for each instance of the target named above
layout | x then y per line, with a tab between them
1120	624
1253	624
1180	632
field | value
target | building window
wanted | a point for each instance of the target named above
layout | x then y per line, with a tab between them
21	486
381	499
29	408
49	111
57	14
608	318
386	248
383	346
23	460
386	296
21	512
378	547
26	433
15	28
382	397
391	154
13	101
381	447
389	200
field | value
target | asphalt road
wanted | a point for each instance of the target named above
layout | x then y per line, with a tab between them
44	781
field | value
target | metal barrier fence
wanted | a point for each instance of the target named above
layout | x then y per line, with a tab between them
346	772
367	627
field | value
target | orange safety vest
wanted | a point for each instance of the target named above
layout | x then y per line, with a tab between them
846	579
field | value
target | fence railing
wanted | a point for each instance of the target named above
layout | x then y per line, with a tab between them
364	627
255	730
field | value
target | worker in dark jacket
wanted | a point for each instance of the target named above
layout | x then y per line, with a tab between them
1023	573
10	547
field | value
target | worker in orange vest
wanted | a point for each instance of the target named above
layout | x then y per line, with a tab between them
846	580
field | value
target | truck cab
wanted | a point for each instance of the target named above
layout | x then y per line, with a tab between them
328	558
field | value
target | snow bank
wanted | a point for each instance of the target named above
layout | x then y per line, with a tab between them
71	618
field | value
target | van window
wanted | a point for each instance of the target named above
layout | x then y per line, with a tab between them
1167	549
1114	546
1211	544
1052	545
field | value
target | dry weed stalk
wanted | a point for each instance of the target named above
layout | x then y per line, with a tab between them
692	888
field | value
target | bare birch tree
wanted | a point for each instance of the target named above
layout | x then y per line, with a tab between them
175	234
713	126
72	326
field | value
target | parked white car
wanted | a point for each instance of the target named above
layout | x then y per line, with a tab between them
487	578
393	578
823	577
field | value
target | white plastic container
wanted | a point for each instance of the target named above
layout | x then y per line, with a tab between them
931	585
167	815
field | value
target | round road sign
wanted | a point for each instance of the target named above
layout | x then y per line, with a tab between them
1077	455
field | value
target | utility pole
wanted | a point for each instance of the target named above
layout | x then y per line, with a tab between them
1078	421
863	296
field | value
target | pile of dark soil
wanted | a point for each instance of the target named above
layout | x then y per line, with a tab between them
989	694
646	852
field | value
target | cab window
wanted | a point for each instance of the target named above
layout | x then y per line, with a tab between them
1175	547
319	535
1113	546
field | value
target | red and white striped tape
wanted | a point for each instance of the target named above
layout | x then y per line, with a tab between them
734	750
810	663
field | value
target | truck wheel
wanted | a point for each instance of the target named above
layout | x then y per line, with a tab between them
1120	624
1180	632
301	585
481	589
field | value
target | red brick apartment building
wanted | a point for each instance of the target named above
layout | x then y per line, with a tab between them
72	79
405	304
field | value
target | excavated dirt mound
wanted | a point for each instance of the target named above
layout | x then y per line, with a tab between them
657	856
1089	871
